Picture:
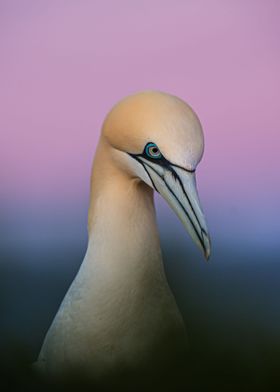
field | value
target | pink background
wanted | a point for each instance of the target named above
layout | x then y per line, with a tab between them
65	63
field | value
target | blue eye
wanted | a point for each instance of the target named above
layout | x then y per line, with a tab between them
153	151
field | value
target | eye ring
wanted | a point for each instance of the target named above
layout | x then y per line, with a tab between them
152	151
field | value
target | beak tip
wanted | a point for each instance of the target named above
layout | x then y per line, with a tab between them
207	247
207	255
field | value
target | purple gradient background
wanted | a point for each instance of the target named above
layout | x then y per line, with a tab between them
63	65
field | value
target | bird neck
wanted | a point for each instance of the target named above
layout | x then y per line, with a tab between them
123	238
119	306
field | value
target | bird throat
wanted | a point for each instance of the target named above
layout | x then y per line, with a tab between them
124	245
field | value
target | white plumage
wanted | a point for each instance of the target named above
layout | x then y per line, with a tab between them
119	316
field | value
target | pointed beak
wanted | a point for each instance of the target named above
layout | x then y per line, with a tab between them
178	187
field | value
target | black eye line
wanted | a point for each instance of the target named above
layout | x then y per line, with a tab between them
168	165
146	170
182	206
161	161
177	178
183	168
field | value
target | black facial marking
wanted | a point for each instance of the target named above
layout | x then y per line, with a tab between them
160	161
142	163
199	235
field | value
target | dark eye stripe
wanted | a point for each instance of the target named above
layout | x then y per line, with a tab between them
156	155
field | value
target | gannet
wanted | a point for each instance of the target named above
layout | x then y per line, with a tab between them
119	315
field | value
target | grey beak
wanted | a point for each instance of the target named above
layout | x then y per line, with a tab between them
178	187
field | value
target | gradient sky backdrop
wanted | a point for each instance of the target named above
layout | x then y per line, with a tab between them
65	63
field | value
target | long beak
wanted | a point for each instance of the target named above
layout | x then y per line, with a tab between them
178	187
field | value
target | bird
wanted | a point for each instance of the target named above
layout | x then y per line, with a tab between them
119	316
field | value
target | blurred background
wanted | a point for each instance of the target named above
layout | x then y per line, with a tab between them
63	64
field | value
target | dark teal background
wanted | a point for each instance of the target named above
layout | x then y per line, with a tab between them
230	304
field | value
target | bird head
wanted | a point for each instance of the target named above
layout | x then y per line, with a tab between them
157	138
